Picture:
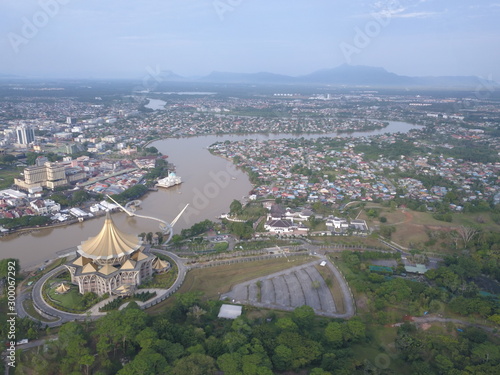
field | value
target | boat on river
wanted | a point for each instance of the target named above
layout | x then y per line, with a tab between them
171	180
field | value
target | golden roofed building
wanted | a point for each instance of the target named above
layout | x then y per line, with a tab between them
111	262
62	288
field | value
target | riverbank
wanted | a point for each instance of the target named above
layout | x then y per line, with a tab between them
339	133
29	230
207	187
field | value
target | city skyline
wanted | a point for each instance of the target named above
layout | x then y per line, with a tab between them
91	39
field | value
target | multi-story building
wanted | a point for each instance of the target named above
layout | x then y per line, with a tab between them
25	134
48	175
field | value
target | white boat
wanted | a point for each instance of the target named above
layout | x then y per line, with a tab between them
171	180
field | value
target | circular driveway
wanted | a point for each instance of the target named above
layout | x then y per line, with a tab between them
93	313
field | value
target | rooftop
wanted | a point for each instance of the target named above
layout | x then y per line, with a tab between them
109	243
230	311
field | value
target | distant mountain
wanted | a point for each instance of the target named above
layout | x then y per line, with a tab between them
355	75
349	75
169	76
341	76
262	77
9	76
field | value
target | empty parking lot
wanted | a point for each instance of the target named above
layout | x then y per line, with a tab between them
288	289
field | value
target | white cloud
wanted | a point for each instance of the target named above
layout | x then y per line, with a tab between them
415	15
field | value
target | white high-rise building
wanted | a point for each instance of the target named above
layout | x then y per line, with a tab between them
25	134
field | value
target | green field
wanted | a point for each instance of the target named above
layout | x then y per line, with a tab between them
30	309
414	229
71	300
369	241
214	281
7	175
332	282
218	280
263	244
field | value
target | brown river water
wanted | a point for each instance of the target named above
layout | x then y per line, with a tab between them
210	184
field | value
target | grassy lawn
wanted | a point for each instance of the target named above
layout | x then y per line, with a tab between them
163	280
407	235
213	281
384	357
70	300
48	268
7	175
361	301
30	309
413	227
337	294
257	245
353	240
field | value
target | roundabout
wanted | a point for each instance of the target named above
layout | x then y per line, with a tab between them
59	317
114	261
111	265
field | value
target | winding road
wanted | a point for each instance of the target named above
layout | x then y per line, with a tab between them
161	294
93	313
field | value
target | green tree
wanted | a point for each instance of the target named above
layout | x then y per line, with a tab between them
287	324
87	360
443	363
9	265
176	239
319	371
146	338
355	330
230	363
80	197
303	316
242	230
7	159
234	340
31	158
282	357
333	334
304	351
235	207
147	362
74	344
195	364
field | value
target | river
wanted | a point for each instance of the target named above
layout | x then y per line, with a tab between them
210	184
155	104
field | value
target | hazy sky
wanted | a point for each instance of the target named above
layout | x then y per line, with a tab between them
122	38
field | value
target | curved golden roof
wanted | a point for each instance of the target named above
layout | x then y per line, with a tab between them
63	288
109	243
160	264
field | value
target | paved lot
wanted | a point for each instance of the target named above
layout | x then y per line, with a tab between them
286	290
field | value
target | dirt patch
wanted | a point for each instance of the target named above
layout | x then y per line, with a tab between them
425	326
362	302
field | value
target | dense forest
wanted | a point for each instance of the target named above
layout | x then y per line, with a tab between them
187	338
